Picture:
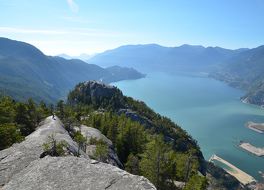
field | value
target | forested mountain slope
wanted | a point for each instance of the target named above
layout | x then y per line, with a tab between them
26	72
245	71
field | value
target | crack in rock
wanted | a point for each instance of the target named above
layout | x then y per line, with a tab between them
113	181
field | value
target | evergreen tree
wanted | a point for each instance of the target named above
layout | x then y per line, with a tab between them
34	116
196	182
23	120
101	152
60	109
7	110
9	134
156	164
43	110
132	164
81	140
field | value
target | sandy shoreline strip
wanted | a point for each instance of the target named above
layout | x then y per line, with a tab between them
252	149
241	176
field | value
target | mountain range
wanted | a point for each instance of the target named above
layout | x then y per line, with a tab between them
241	68
26	72
153	57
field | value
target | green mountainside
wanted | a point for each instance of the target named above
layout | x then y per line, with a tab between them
26	72
245	71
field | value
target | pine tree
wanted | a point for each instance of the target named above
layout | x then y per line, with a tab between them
156	164
22	119
60	109
132	164
9	135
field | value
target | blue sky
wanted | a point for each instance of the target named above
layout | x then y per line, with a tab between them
90	26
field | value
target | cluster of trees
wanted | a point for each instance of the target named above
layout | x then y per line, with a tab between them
145	153
96	95
18	119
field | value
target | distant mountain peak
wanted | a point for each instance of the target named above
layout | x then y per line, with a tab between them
191	46
18	48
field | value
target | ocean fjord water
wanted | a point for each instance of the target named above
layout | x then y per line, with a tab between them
207	109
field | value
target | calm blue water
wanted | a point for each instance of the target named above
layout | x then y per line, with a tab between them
207	109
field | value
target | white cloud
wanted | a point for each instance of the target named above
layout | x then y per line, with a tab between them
73	6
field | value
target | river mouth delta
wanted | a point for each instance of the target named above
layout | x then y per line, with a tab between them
209	110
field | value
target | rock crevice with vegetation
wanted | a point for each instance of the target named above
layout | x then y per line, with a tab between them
99	146
19	156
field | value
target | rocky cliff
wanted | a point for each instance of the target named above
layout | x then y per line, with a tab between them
19	156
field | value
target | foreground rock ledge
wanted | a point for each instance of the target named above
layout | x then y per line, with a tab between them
19	156
75	173
21	167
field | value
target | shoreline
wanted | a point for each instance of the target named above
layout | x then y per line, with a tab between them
244	101
251	149
240	175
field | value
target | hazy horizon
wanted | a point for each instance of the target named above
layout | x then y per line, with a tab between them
74	27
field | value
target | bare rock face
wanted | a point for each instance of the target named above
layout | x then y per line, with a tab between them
19	156
135	117
90	132
70	172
